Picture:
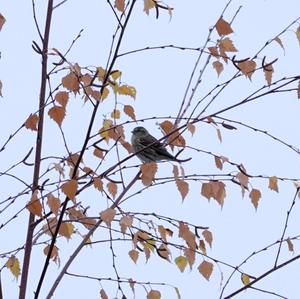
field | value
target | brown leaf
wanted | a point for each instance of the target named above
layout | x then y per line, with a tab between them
214	51
218	162
183	188
163	252
191	128
290	245
148	172
190	255
223	27
218	66
189	237
70	188
2	21
214	189
148	4
98	153
34	206
32	122
129	111
71	82
175	138
278	40
175	171
120	5
269	70
98	184
127	146
66	230
206	268
108	216
54	253
115	114
255	196
298	90
112	188
247	68
298	34
134	255
125	222
243	180
53	203
273	183
208	237
62	97
103	294
153	295
202	247
57	113
226	45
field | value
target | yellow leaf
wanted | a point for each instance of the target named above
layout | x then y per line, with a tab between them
183	187
127	90
206	268
53	203
245	279
101	73
148	172
34	205
153	295
70	188
115	114
104	131
181	262
218	66
223	27
108	216
120	5
273	183
134	255
105	93
57	113
255	196
66	230
112	189
31	122
13	265
116	74
129	111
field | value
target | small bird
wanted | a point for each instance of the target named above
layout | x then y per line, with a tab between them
155	152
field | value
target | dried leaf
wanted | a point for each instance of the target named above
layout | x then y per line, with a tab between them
202	247
206	268
175	171
70	188
191	128
115	114
34	206
148	4
148	171
218	162
13	265
290	245
57	113
32	122
153	295
120	5
278	40
62	97
127	91
104	131
1	89
53	203
98	153
273	183
226	45
134	255
2	21
190	255
298	90
245	279
112	188
181	262
214	51
218	66
71	82
98	184
66	230
108	216
214	189
54	253
103	294
269	70
247	68
189	237
183	187
208	237
163	252
298	34
125	222
223	27
255	196
129	111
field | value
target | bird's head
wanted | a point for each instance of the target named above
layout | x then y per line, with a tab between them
139	131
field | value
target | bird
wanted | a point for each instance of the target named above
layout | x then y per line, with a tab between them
154	151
